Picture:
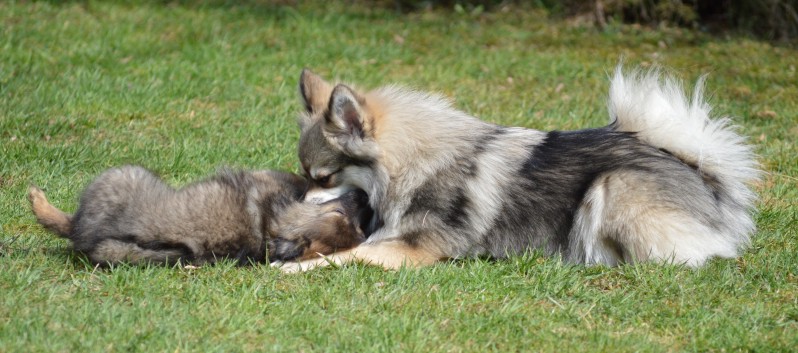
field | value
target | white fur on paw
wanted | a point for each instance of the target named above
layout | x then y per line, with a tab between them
290	267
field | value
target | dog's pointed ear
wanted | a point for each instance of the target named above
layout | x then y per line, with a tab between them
345	112
315	91
347	125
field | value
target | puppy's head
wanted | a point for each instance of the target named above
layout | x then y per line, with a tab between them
305	230
337	146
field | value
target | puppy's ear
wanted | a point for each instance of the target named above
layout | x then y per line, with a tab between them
315	91
346	114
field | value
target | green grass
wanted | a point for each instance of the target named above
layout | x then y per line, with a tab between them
184	88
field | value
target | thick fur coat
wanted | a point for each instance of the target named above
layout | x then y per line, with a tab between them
128	214
664	181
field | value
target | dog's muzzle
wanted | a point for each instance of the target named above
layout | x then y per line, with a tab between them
320	196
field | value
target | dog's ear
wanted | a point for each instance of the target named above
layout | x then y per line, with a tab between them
315	91
345	113
347	127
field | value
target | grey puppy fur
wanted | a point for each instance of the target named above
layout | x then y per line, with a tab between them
128	214
664	181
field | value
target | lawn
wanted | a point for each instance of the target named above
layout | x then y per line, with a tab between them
184	88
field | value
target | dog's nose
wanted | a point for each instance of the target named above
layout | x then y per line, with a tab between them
281	249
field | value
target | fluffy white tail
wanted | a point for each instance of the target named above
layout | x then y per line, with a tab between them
657	109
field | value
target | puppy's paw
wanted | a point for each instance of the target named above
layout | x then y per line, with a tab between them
36	196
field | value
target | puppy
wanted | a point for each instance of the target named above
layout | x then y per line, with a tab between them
128	214
664	181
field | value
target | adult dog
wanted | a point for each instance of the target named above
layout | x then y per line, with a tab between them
663	181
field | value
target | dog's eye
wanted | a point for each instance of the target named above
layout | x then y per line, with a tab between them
324	180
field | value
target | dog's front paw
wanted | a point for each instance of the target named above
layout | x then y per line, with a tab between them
288	267
302	266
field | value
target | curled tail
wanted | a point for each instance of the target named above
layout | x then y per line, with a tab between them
657	109
47	215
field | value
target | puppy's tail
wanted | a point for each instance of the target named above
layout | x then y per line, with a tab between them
47	215
660	113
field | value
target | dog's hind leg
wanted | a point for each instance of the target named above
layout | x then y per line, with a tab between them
631	217
48	215
587	243
112	251
390	254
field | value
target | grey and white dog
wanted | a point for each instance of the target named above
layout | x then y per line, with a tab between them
128	214
663	181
